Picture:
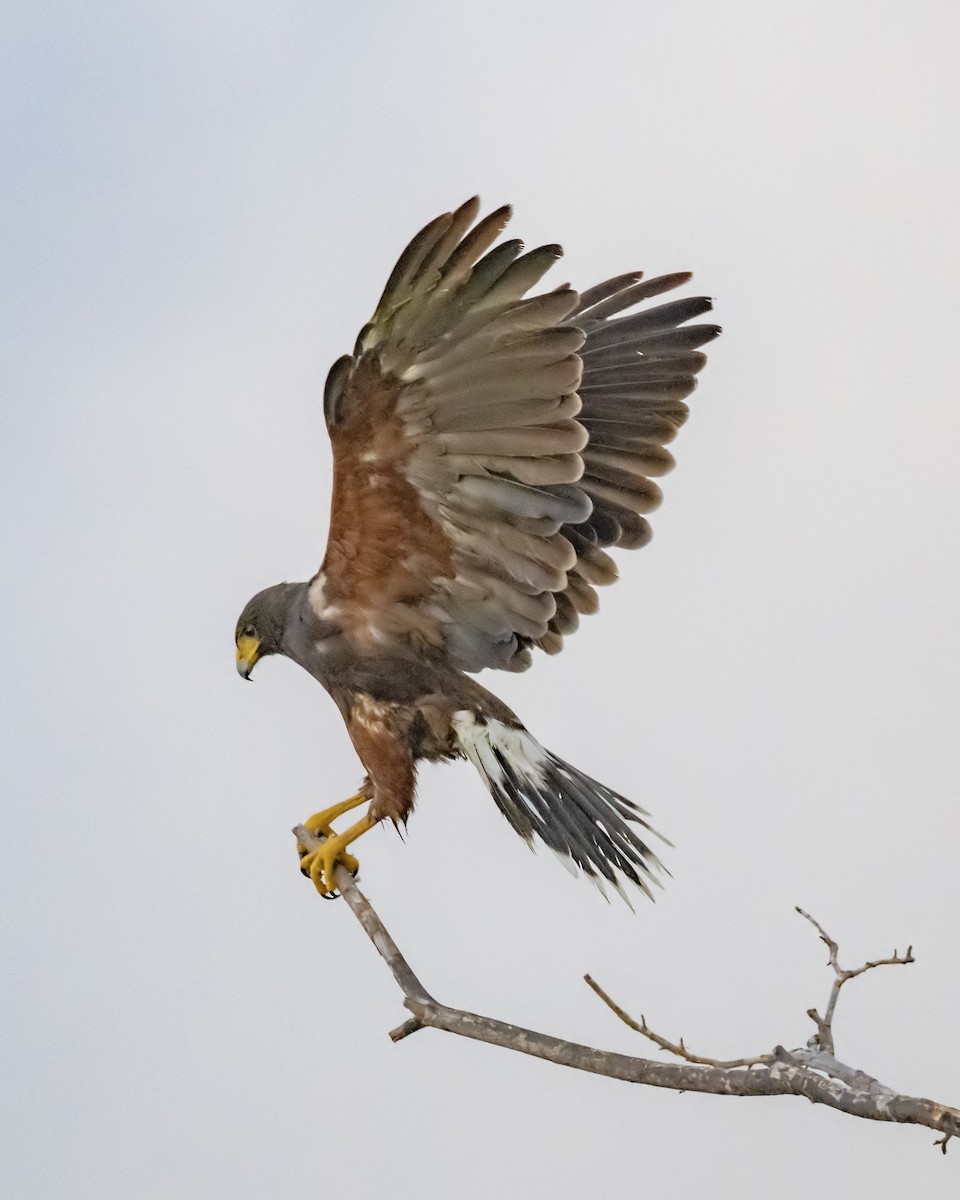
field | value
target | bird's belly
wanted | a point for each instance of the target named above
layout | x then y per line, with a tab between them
422	726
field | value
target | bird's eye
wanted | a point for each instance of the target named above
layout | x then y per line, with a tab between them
249	631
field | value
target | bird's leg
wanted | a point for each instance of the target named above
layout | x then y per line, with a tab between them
321	864
321	821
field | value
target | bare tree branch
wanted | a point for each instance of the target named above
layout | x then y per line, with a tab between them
813	1071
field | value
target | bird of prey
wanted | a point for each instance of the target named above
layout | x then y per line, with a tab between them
489	448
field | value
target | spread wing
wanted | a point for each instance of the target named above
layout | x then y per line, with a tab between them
490	446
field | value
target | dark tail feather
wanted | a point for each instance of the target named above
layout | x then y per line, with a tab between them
586	824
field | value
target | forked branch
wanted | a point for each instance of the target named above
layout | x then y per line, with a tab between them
824	1024
812	1071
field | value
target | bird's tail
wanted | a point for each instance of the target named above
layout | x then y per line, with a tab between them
585	823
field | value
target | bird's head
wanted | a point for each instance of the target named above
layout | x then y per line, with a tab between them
261	626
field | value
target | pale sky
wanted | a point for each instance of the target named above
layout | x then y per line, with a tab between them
200	204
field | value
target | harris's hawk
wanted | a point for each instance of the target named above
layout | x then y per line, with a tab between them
489	448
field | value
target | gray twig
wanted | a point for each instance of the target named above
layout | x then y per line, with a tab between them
824	1024
677	1048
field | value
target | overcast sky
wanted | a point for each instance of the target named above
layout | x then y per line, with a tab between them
201	202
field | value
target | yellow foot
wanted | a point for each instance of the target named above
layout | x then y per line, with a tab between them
320	865
320	868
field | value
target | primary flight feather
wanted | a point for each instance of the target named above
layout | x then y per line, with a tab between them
490	448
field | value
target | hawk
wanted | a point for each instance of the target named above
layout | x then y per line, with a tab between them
489	448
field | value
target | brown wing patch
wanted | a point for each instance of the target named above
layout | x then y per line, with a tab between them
384	552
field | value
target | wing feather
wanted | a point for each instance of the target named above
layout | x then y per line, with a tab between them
491	446
638	369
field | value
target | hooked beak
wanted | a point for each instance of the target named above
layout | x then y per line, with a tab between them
248	651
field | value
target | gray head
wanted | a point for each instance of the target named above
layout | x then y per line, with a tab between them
262	624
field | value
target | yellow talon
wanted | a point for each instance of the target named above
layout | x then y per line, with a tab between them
321	864
320	867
